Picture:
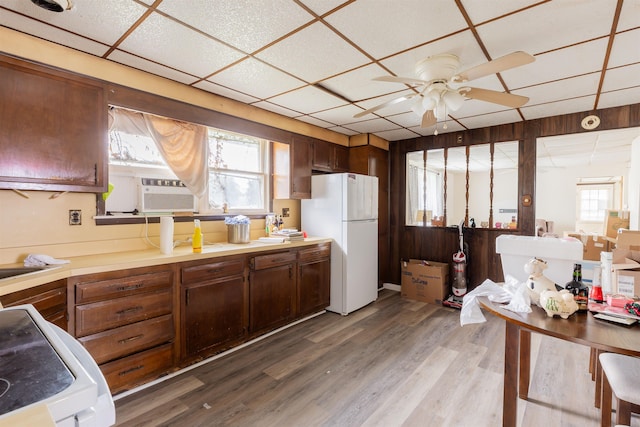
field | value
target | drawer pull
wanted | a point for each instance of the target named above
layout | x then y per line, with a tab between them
129	310
215	270
130	287
127	340
130	370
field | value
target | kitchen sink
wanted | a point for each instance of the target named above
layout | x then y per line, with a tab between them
17	271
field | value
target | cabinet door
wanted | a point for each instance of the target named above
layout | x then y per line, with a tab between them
271	297
340	158
322	155
301	156
214	314
54	129
313	286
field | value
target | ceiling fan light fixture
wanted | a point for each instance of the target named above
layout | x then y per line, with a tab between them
418	106
453	100
54	5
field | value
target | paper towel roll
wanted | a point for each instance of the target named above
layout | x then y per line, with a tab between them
166	235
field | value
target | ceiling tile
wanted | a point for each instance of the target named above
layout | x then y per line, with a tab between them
548	26
481	11
276	109
245	24
163	40
315	122
508	116
619	97
344	130
568	106
322	6
257	78
27	25
629	15
463	45
621	78
373	125
87	17
307	100
396	134
313	54
408	120
625	48
340	115
560	64
382	28
150	67
226	92
561	89
358	84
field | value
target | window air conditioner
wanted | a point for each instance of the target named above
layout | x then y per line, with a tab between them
165	195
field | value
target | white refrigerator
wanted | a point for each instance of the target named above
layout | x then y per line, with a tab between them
344	207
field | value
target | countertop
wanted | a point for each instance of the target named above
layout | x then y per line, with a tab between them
124	260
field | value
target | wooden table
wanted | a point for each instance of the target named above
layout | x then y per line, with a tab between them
581	328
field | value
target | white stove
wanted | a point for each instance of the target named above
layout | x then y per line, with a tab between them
42	364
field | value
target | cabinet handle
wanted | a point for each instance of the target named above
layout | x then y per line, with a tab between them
215	270
130	310
130	287
126	340
128	371
290	271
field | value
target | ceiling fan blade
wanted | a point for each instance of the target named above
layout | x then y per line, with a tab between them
428	119
384	105
394	79
503	63
502	98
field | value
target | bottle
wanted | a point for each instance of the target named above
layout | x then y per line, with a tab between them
579	290
196	241
596	288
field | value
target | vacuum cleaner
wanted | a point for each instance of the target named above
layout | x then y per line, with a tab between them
459	284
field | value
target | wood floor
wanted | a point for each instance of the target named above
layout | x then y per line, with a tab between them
395	362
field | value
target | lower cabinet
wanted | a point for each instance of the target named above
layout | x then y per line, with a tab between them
314	278
214	305
272	291
49	299
125	319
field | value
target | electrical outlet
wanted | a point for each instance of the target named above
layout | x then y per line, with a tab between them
75	217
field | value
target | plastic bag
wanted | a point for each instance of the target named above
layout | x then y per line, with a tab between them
511	291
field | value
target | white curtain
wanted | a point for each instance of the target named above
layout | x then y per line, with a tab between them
184	146
414	178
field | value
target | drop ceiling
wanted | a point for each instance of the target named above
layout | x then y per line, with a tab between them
314	60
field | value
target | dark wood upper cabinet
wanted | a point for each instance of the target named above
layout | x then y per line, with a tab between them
54	129
328	157
301	152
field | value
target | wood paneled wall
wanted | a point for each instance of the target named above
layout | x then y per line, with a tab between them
439	243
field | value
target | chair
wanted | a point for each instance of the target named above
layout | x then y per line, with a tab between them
620	377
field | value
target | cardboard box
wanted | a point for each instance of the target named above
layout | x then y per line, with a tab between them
628	239
613	221
628	283
592	245
426	281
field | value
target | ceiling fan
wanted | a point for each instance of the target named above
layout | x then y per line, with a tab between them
436	98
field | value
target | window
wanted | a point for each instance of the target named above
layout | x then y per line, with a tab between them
236	169
238	175
424	190
593	200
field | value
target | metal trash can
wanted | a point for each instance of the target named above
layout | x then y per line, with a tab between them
238	233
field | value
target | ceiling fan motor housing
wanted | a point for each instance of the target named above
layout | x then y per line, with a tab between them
438	67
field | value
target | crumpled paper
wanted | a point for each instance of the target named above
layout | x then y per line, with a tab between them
512	292
38	260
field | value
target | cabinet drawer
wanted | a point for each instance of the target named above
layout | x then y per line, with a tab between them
99	316
97	290
213	270
273	260
109	345
128	372
315	253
